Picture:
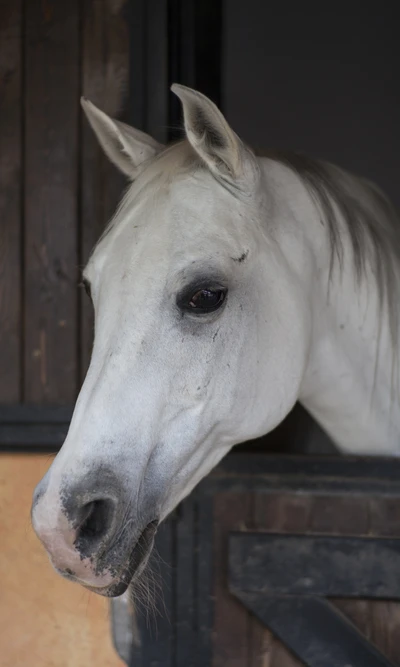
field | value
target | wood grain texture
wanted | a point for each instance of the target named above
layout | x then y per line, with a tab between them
157	69
44	620
231	619
10	198
51	161
331	515
105	72
239	638
282	514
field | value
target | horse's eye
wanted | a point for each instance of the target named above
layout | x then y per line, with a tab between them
206	300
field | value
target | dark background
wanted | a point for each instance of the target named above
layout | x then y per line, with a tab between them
321	78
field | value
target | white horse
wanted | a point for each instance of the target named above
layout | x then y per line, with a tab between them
226	288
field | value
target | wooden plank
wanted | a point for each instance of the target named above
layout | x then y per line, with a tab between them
105	70
302	469
285	514
137	103
304	514
384	516
320	476
51	150
231	619
205	583
35	414
332	514
33	428
10	199
182	57
185	577
346	515
157	69
352	515
32	437
378	620
315	630
320	566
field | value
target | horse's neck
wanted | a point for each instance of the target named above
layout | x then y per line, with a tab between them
349	384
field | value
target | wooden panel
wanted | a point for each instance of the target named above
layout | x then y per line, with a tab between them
10	199
240	638
232	620
157	69
185	582
330	515
283	514
44	620
33	428
380	621
326	566
51	143
105	68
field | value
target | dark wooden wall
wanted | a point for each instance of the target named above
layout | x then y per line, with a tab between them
57	189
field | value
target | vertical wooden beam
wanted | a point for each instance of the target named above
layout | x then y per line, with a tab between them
105	70
10	198
284	514
231	619
185	587
51	151
205	585
137	105
157	69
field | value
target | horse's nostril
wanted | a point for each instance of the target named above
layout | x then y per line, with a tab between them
95	524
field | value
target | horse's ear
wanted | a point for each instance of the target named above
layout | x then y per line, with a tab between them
125	146
209	134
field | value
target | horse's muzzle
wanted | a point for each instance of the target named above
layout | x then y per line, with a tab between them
93	538
133	568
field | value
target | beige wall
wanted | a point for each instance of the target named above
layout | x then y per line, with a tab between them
44	620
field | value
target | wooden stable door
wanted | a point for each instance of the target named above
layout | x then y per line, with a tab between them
281	562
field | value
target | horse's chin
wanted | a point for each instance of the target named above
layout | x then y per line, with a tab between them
120	585
115	590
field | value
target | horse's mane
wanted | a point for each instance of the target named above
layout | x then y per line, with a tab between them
372	223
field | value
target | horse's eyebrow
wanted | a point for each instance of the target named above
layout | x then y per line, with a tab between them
242	257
